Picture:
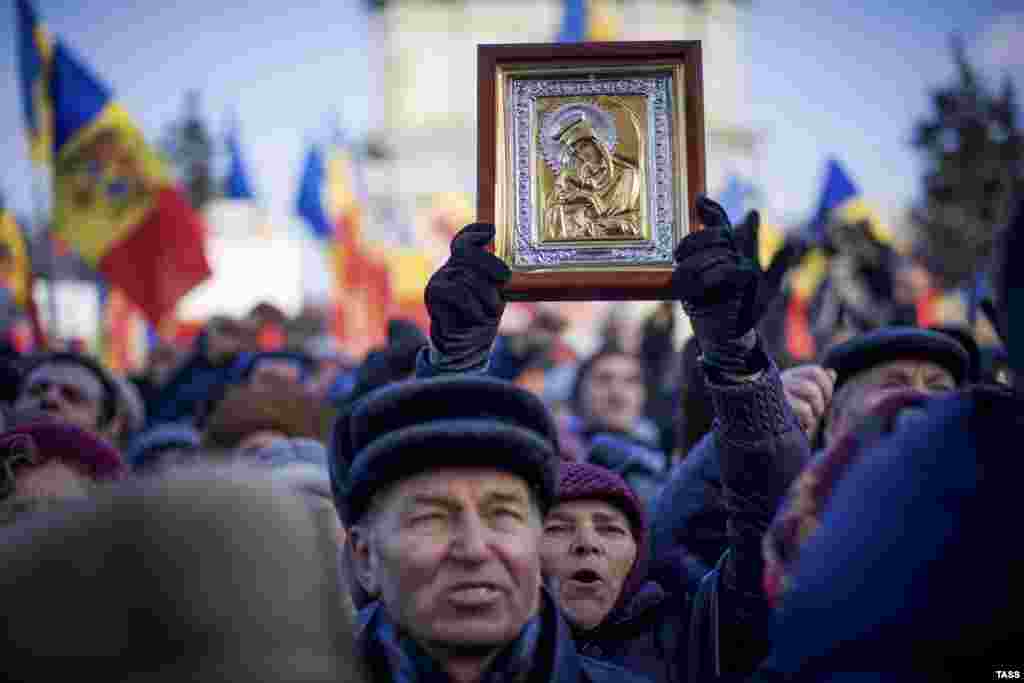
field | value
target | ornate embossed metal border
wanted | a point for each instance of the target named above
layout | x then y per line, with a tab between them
521	108
511	79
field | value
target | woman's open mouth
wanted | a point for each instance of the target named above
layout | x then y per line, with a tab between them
585	579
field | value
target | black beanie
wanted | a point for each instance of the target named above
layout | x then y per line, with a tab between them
410	427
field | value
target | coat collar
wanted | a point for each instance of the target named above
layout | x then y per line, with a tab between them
558	661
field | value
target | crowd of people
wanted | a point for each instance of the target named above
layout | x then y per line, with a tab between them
429	513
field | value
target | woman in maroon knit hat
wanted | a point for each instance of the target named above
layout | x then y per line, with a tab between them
593	558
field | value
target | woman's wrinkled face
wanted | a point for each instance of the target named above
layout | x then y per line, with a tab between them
587	551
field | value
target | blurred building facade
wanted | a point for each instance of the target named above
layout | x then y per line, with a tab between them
425	104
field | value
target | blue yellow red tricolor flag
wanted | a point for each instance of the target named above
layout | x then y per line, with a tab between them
587	21
841	200
332	205
115	202
35	55
19	278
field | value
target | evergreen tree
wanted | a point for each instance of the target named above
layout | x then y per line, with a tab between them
189	146
974	150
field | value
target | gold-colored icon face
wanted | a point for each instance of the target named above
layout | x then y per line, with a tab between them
592	183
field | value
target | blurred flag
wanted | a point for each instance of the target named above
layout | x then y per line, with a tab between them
237	212
35	52
128	341
310	202
115	203
841	200
587	21
20	279
236	185
330	200
362	268
741	196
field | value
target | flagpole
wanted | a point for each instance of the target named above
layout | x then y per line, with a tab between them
39	192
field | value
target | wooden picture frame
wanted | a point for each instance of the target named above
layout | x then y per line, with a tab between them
590	160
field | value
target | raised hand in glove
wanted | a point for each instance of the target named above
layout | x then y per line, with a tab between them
720	282
465	302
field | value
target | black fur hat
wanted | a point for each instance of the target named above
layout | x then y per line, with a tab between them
410	427
893	343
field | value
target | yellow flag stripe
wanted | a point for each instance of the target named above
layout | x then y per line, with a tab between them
10	234
105	182
856	209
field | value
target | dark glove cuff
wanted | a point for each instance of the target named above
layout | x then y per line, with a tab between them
475	361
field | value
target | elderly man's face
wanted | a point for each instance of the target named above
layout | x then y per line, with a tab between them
862	393
587	553
613	393
65	391
453	556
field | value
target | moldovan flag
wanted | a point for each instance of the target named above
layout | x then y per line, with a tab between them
20	282
35	53
841	200
115	203
363	273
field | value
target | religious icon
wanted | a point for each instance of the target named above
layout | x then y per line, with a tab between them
591	159
597	189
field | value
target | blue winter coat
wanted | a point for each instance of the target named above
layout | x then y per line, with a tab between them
688	524
914	571
647	635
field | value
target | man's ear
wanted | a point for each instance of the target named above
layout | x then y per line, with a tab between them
364	558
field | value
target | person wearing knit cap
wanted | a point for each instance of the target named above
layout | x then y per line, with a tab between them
592	541
443	484
593	555
165	445
48	462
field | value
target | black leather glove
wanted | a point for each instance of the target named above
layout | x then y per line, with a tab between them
465	302
719	280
